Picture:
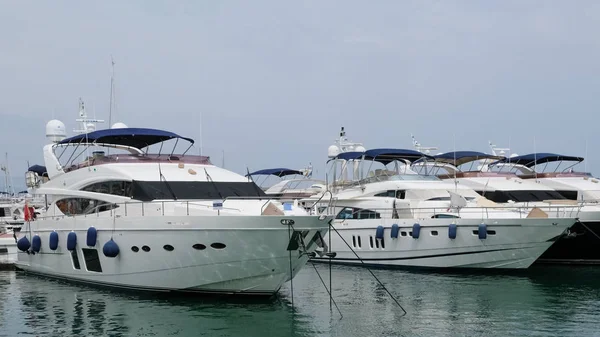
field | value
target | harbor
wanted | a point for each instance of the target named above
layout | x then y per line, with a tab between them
314	169
557	301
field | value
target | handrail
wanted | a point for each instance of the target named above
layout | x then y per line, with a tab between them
560	211
146	208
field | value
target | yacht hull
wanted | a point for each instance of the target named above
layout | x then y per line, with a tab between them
217	254
510	244
581	246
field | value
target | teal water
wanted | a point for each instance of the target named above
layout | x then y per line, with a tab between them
543	301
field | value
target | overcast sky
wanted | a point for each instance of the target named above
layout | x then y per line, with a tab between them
275	80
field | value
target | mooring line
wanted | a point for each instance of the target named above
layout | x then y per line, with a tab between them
365	265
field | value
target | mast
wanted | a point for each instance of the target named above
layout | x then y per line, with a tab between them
87	124
112	90
7	178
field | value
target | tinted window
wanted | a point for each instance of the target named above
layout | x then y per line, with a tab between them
122	188
92	261
357	214
521	196
444	216
571	195
79	206
346	213
199	190
390	194
368	214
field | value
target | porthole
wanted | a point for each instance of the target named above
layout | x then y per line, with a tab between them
434	233
403	233
135	249
168	248
199	246
146	248
491	232
218	245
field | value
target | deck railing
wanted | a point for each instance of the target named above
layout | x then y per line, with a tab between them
486	212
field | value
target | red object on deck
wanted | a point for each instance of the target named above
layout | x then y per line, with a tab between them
28	213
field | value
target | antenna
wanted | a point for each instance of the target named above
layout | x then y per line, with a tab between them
586	154
454	153
422	149
7	178
499	151
87	124
534	159
112	90
201	133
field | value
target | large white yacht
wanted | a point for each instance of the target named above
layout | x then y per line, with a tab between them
549	170
391	216
160	222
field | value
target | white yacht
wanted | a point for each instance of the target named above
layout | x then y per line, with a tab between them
124	217
471	169
292	184
391	216
548	170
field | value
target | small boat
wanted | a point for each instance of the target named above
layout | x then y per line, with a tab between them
292	184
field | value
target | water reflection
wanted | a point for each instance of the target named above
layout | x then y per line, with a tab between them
542	301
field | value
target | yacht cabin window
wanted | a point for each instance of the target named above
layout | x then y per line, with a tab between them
121	188
83	206
400	194
357	214
521	196
193	190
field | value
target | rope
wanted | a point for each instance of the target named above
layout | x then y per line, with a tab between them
291	272
370	271
328	292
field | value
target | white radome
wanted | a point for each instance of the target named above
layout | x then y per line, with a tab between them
333	151
360	148
55	131
118	125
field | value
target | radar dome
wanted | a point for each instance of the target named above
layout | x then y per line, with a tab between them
118	125
90	127
55	131
333	151
514	155
360	148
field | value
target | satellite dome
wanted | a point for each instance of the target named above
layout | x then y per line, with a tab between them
333	151
90	127
55	131
514	155
360	148
118	125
